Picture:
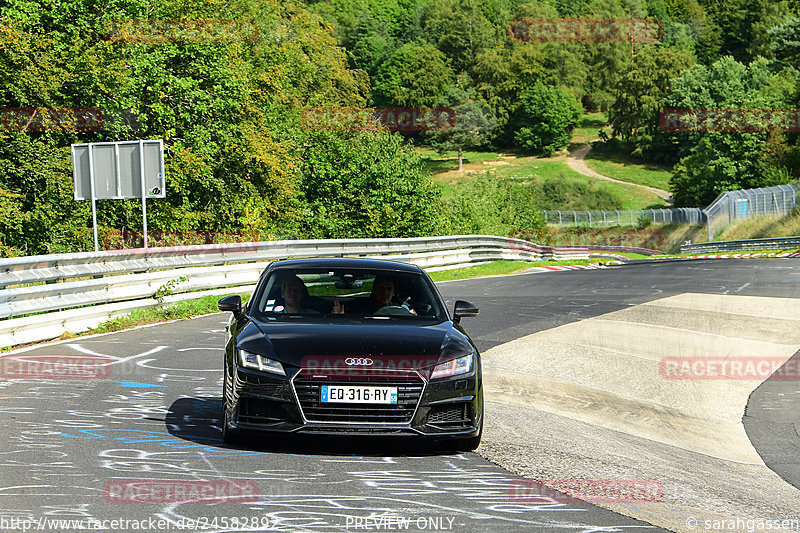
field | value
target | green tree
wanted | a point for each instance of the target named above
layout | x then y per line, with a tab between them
641	96
714	161
460	29
371	44
744	24
546	118
416	75
473	122
786	42
366	185
500	76
224	109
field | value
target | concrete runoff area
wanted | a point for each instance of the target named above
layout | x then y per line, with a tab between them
588	400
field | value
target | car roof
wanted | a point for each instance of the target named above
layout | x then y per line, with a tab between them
346	262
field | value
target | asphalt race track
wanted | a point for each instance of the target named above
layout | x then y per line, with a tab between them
77	449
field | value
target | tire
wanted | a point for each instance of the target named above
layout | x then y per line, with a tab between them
471	443
229	434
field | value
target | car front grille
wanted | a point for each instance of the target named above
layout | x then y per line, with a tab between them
409	391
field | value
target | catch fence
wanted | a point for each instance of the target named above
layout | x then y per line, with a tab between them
729	206
601	219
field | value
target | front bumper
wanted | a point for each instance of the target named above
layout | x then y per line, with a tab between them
443	408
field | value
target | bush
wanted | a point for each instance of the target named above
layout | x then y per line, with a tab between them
492	205
546	119
366	185
557	194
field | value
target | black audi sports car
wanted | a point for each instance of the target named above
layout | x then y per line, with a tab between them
350	346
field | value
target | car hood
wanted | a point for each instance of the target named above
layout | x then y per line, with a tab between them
411	345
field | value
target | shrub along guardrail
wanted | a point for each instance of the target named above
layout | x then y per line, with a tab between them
79	291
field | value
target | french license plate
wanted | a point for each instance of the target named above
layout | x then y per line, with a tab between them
349	394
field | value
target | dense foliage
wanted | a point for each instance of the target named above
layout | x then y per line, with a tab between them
523	85
239	158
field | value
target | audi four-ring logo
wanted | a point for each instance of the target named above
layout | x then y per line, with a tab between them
360	361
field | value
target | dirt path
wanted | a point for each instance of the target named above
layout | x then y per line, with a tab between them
576	161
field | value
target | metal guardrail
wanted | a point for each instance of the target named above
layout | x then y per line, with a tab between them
79	291
743	246
59	267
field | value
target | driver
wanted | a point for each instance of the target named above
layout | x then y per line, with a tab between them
293	292
383	291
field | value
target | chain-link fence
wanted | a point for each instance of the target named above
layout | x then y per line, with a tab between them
779	200
599	219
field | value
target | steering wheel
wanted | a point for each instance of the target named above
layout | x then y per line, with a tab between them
393	310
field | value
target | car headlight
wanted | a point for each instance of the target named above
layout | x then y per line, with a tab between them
454	367
259	362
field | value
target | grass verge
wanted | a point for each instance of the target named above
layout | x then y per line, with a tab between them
581	191
589	127
152	315
623	168
499	268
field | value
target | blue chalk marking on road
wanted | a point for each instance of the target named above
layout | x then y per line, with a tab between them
166	440
135	384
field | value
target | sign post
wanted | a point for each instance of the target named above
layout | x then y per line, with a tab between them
119	170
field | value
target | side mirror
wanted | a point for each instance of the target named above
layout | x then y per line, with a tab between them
232	304
463	309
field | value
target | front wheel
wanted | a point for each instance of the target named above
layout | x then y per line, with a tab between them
471	443
229	434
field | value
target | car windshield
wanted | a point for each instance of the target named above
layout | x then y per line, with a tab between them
352	293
